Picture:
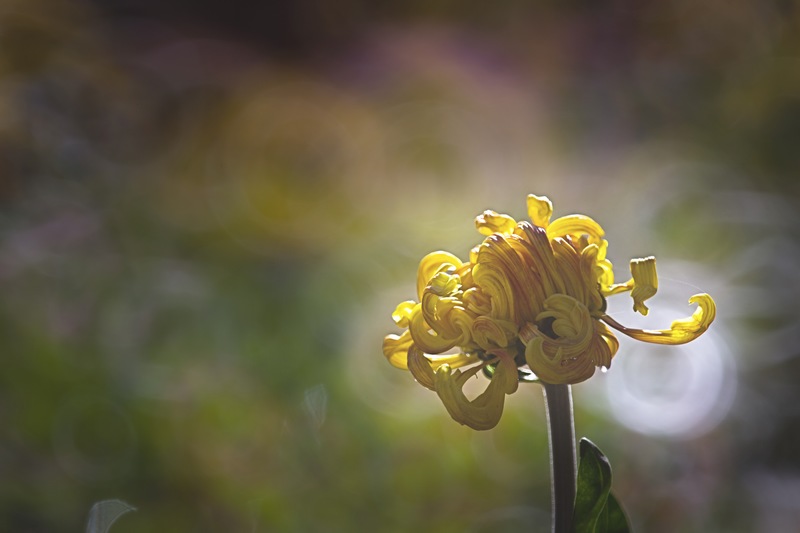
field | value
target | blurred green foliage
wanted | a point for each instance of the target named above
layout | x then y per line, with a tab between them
203	235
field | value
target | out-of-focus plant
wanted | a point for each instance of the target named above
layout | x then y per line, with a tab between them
530	306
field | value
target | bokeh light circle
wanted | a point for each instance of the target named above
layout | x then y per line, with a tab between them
672	391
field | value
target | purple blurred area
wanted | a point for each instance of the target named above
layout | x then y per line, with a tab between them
209	211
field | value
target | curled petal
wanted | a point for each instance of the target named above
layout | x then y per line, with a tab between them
484	411
402	313
455	360
604	345
681	331
605	275
576	226
431	264
572	356
490	333
490	222
428	340
421	368
395	349
591	274
645	282
539	257
554	368
477	301
502	274
568	265
540	209
443	310
444	284
473	254
571	318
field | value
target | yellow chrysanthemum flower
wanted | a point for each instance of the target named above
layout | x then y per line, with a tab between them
529	304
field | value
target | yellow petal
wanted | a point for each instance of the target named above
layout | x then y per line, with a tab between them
423	366
395	349
554	368
681	331
444	312
427	340
502	275
484	411
431	264
568	265
571	318
490	222
572	356
540	209
576	226
490	333
420	368
604	345
645	282
402	313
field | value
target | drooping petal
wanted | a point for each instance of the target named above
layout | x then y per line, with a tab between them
681	331
490	222
484	411
540	209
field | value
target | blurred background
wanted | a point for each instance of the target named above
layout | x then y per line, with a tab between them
209	211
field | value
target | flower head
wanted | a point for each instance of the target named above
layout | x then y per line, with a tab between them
529	304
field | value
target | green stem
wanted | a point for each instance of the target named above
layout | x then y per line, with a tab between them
561	436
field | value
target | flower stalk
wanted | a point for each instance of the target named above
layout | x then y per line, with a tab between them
561	438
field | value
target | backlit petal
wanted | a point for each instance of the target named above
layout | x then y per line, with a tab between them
490	222
568	358
421	368
540	209
645	282
554	368
427	340
681	331
484	411
431	264
490	333
402	313
395	349
576	226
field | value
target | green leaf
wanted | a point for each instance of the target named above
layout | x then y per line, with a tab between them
596	509
613	519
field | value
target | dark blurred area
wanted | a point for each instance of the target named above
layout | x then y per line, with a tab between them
208	212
